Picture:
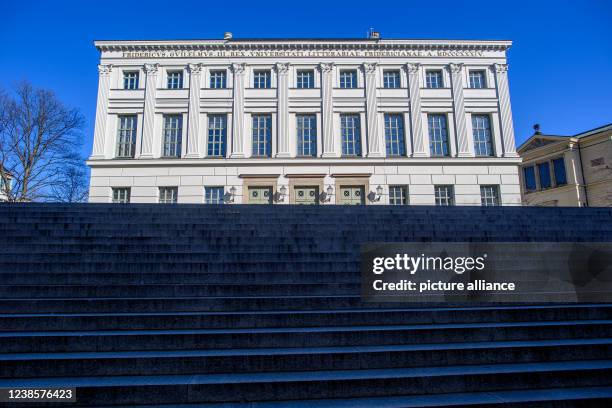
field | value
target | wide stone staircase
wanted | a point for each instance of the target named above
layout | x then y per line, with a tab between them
259	306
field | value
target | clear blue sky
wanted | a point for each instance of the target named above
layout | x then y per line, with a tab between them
560	64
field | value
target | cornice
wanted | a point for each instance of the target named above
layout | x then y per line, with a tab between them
297	45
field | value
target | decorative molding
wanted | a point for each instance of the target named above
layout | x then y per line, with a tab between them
238	69
455	68
195	69
326	67
105	69
370	67
413	68
282	68
501	68
151	69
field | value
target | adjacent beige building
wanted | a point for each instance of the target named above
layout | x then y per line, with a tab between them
570	171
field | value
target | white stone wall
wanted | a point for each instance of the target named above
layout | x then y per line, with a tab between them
153	60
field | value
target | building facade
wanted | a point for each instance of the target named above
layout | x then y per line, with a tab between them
304	121
569	171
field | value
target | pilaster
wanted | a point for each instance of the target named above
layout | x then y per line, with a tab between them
238	112
505	111
327	109
374	142
282	97
463	146
416	121
104	72
146	146
193	118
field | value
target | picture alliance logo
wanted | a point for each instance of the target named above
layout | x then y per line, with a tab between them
414	264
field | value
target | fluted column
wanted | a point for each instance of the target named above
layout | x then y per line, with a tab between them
327	109
374	142
505	111
282	96
416	122
104	72
193	117
238	111
463	146
146	146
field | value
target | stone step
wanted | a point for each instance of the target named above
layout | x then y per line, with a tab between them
323	336
430	314
34	291
329	384
278	359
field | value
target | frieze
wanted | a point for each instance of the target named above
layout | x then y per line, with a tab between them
298	53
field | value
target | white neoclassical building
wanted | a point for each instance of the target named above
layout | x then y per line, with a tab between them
312	121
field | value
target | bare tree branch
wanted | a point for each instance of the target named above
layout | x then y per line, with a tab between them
39	146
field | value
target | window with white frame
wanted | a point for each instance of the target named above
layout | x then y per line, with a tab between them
348	78
306	135
168	195
481	131
489	195
130	80
350	127
262	135
213	195
433	78
218	79
126	136
173	130
398	195
394	134
391	79
477	79
217	135
305	79
444	195
262	79
175	79
121	195
438	135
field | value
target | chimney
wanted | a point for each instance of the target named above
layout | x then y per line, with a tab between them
227	35
374	35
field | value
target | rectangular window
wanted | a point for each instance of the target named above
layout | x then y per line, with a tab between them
175	79
444	195
306	135
489	195
438	135
168	195
433	79
126	136
305	79
218	79
350	128
130	80
261	79
477	79
121	195
394	134
481	131
530	179
559	167
213	195
348	79
173	131
217	135
262	135
398	195
544	172
391	79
